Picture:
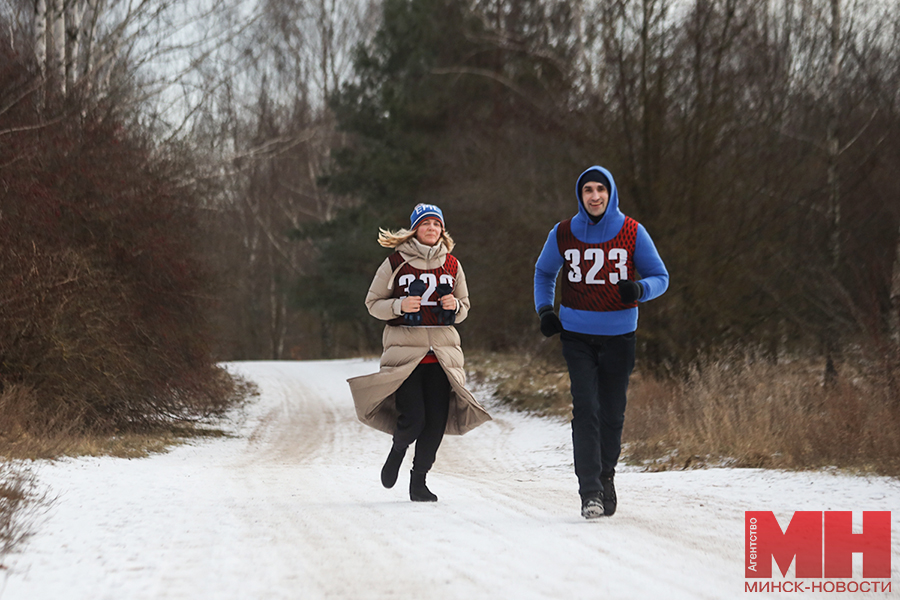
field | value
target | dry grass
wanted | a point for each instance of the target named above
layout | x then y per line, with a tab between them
133	444
756	413
531	383
30	430
736	410
21	503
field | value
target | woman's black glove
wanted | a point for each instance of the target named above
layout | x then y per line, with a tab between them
550	324
416	288
630	291
447	317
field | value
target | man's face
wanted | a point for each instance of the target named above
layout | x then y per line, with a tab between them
595	197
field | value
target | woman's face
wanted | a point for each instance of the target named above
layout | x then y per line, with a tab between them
429	231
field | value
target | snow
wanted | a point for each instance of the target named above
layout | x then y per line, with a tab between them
291	506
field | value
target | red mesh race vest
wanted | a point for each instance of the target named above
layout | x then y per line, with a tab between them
592	270
407	274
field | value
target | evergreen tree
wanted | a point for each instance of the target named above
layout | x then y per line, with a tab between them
393	112
439	81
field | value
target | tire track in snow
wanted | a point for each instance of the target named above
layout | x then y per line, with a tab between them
500	494
508	515
292	507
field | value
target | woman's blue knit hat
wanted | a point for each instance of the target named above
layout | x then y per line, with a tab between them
423	211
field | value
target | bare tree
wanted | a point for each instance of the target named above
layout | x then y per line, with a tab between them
894	317
74	25
271	133
40	34
56	25
832	141
89	47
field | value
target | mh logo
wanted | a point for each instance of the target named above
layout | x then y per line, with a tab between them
823	544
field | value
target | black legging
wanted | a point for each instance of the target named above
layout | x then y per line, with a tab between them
423	401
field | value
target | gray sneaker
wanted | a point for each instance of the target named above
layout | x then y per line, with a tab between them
592	506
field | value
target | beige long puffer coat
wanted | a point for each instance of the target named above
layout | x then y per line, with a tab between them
404	347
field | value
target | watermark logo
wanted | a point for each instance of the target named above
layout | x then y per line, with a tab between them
820	544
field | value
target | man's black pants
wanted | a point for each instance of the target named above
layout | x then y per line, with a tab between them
599	369
423	401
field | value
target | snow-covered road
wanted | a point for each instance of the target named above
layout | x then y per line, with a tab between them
291	506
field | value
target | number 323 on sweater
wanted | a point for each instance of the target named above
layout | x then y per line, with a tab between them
590	267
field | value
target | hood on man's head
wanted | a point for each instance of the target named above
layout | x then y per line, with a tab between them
613	218
422	212
592	174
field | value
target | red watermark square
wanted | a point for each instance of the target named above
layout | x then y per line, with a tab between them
820	543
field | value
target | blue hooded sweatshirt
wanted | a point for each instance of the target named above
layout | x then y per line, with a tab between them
654	277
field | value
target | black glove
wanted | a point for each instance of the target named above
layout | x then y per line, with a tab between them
630	291
446	317
416	288
550	324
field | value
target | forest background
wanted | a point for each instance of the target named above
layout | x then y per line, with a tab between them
184	185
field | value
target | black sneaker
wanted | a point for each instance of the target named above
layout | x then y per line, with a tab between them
592	505
609	496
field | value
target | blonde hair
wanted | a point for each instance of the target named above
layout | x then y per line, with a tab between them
392	239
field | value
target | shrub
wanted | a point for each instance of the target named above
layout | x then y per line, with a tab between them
104	302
